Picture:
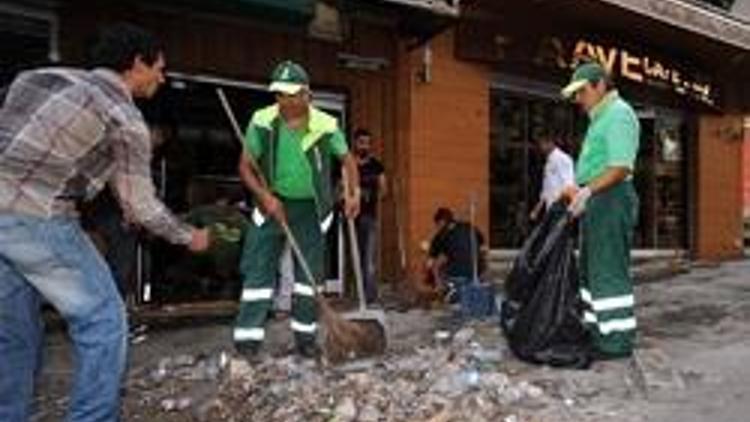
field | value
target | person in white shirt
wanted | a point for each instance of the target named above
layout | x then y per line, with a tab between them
558	173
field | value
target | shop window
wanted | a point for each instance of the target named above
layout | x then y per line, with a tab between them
661	178
516	167
661	181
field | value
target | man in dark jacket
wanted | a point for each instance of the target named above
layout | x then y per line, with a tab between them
453	253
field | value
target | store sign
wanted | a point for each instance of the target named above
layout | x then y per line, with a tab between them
517	48
644	69
623	63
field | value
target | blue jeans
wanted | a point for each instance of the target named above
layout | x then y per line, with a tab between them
54	259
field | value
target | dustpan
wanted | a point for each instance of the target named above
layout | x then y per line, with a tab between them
375	318
476	298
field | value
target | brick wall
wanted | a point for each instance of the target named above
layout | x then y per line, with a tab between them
719	188
443	126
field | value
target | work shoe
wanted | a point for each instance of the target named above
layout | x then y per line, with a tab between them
307	350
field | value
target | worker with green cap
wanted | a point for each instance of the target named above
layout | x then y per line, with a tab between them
607	205
286	164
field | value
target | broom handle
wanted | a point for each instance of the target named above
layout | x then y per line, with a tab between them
238	135
356	258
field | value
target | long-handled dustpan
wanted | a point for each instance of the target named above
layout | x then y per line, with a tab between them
373	317
371	320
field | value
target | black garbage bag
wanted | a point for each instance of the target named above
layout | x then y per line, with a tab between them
541	314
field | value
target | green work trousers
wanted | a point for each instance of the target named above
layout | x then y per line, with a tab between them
606	285
259	265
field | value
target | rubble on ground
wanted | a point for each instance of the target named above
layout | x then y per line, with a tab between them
464	375
453	379
439	369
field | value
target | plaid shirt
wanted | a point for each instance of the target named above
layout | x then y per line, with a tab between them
64	134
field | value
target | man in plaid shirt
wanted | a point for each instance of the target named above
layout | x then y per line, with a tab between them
64	134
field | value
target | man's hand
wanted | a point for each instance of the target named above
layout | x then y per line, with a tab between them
273	207
578	202
351	205
200	240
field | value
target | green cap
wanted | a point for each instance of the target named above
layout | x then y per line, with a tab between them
288	77
587	72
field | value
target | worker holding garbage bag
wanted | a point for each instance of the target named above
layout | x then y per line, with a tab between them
606	204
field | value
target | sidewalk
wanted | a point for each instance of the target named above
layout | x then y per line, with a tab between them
691	366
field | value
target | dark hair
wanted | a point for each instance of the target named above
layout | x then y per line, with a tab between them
362	132
118	45
443	214
546	138
552	135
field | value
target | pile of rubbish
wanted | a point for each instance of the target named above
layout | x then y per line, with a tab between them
453	379
436	370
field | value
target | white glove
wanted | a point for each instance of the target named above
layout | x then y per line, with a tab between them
578	204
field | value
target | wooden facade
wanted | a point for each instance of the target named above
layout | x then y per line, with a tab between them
435	132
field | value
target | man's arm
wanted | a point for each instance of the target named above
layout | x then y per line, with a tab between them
435	266
352	192
134	189
622	149
350	174
578	197
382	186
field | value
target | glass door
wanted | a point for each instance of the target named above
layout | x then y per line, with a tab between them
661	180
516	166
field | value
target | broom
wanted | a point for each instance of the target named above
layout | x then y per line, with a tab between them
340	337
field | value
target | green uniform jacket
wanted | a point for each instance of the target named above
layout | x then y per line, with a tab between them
316	145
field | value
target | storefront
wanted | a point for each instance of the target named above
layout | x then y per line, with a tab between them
669	80
521	112
455	107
